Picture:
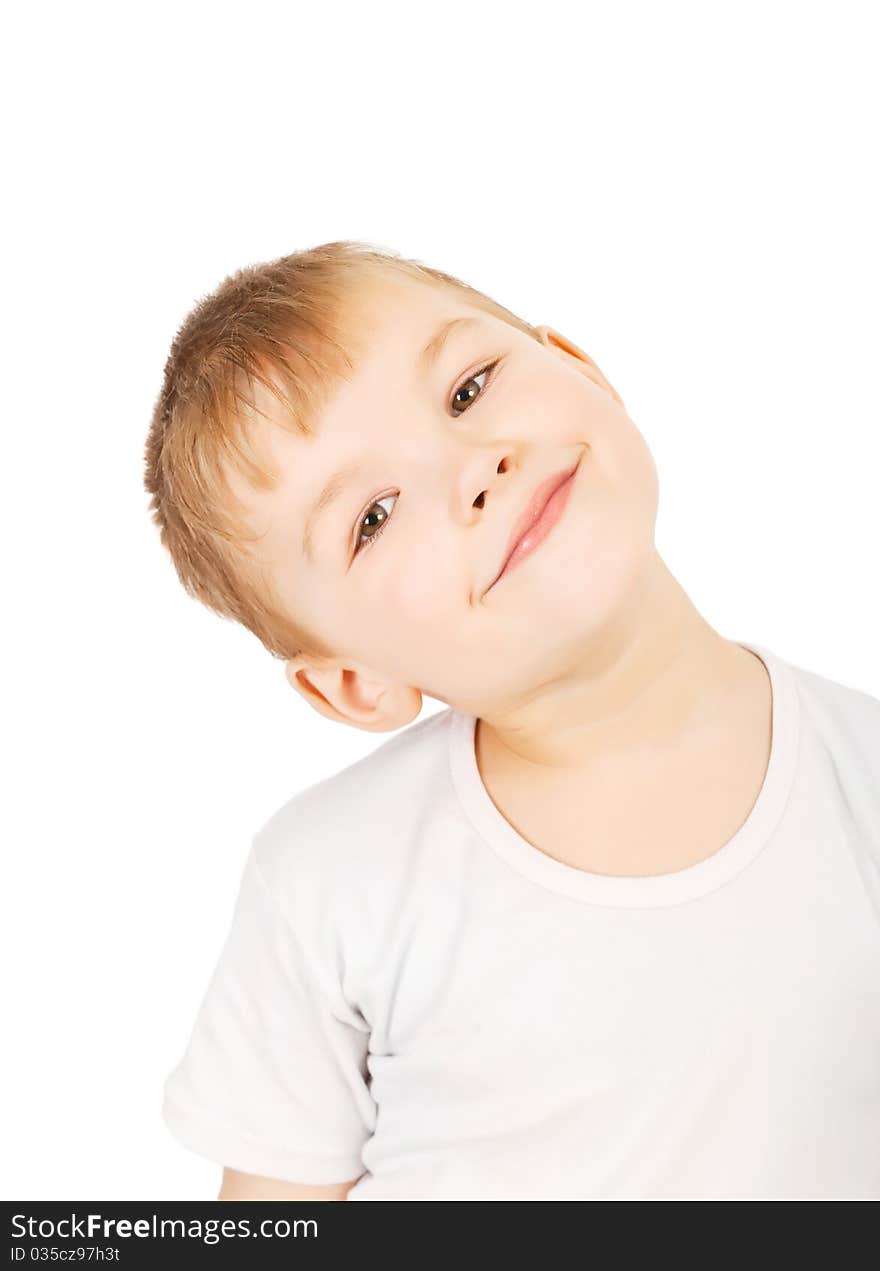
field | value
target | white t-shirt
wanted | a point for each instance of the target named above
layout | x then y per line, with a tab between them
412	992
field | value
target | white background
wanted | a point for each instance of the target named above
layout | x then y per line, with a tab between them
688	191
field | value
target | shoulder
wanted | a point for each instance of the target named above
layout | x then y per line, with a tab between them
363	813
840	708
846	723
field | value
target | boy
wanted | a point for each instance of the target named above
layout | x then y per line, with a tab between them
606	927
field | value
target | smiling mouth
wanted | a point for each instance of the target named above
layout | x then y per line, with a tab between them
540	523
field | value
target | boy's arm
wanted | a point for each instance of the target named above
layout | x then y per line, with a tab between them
238	1186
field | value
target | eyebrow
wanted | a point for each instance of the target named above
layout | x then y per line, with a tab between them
334	487
331	491
434	347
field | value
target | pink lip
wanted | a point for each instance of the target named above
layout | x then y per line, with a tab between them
543	511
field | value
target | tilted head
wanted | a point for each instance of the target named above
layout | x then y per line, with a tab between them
342	453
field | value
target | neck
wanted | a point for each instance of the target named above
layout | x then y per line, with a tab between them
658	677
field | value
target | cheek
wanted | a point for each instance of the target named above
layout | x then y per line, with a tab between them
424	585
419	576
552	408
405	612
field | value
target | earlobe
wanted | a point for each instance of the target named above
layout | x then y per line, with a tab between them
319	686
349	697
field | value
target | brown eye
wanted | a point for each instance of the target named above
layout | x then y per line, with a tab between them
464	395
373	521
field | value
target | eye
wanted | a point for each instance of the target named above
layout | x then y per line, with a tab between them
465	394
374	521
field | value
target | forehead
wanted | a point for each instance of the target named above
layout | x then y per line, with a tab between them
400	314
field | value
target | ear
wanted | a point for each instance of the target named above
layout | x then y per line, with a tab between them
352	697
554	339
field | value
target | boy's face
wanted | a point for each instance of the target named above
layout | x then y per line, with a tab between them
450	457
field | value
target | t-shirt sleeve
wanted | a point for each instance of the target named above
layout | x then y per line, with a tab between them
273	1080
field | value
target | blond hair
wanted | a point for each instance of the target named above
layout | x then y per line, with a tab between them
285	325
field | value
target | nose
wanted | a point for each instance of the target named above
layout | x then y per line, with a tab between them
480	478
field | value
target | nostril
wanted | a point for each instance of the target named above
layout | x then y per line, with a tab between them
480	499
